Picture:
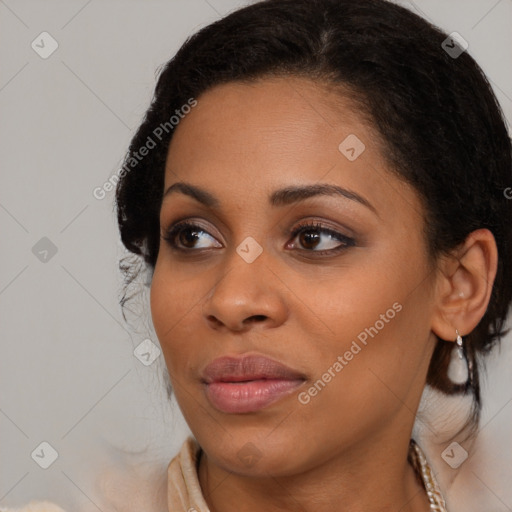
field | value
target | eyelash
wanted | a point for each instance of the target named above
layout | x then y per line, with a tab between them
346	241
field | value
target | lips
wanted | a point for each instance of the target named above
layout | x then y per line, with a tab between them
254	367
249	383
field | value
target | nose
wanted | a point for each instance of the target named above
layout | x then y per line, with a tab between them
247	295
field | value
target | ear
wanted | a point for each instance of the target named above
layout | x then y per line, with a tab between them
464	285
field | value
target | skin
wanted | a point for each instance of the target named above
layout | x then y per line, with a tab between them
349	444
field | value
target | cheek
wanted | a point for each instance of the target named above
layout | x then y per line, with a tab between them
357	298
172	302
383	343
378	322
161	300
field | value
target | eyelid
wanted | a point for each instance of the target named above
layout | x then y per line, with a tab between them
187	221
177	226
308	225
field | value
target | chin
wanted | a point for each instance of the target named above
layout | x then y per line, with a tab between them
254	452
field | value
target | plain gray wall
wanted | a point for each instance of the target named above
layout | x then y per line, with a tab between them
67	369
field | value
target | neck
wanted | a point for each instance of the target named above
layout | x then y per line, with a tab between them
370	478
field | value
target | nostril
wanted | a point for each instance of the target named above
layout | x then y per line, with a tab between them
213	319
256	318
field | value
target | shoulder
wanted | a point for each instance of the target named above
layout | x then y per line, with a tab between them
35	506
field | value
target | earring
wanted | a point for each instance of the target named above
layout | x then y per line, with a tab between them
458	371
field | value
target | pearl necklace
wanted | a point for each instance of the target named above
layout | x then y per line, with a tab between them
425	473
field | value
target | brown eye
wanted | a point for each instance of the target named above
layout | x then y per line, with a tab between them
314	238
309	239
320	239
186	236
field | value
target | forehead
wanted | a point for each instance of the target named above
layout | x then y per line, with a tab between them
272	111
245	138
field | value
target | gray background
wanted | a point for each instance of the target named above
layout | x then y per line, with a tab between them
68	374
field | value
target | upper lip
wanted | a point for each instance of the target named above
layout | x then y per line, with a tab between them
245	368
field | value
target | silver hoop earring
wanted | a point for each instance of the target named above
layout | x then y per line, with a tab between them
458	370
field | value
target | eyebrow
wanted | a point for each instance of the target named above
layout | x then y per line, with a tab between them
282	197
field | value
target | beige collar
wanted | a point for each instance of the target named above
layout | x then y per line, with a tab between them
184	491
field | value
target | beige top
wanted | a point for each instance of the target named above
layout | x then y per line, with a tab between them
184	492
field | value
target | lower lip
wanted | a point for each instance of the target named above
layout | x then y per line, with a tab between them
249	396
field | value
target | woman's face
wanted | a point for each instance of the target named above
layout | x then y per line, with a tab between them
345	304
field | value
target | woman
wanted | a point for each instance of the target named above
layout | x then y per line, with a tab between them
323	218
318	191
